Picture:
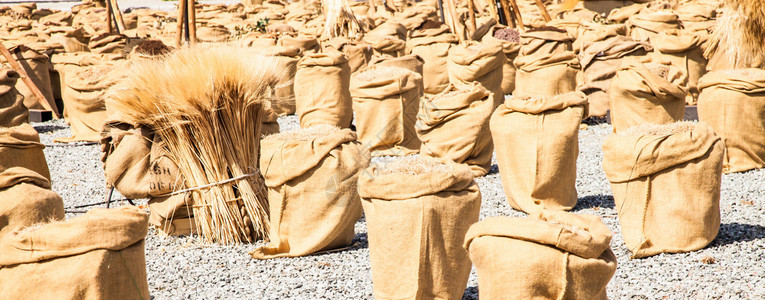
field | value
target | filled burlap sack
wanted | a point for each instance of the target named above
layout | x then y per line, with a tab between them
549	255
411	62
322	94
12	109
358	53
546	64
466	111
417	212
37	66
480	62
510	40
648	23
683	49
306	44
647	91
599	60
733	103
283	100
544	131
666	184
432	42
385	101
99	255
21	158
315	204
108	43
213	33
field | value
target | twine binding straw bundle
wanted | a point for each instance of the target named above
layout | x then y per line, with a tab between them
206	103
340	20
741	31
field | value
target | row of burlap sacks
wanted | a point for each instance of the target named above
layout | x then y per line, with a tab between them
99	255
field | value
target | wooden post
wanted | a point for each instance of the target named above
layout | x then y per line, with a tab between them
28	81
454	19
510	18
543	10
471	16
181	21
518	17
192	20
372	6
109	25
118	16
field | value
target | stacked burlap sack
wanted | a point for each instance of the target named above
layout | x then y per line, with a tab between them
12	109
465	111
537	144
666	185
314	205
647	90
432	41
602	51
549	255
385	101
418	211
733	103
546	64
322	90
99	255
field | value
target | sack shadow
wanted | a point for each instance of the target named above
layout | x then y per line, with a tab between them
48	128
731	233
359	241
471	293
601	201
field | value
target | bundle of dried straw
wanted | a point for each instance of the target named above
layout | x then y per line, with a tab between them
340	20
741	31
206	102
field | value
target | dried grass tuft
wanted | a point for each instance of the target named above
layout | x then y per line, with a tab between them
305	134
741	31
340	20
206	103
412	165
663	129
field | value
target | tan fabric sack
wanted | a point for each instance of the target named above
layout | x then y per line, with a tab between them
99	255
684	50
733	103
314	204
417	212
84	100
411	62
510	48
359	53
546	65
649	23
544	132
477	62
322	94
108	43
549	255
647	91
645	165
12	109
462	111
283	100
306	44
38	67
432	44
386	100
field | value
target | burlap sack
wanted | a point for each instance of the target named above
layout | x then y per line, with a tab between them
37	66
417	214
108	43
386	100
697	16
12	109
463	111
388	39
432	44
322	94
314	204
21	158
550	255
546	65
544	131
683	49
99	255
599	60
649	23
733	103
647	91
213	33
306	44
358	53
510	41
283	100
666	184
477	62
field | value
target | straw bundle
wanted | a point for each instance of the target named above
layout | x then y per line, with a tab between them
340	20
206	104
741	30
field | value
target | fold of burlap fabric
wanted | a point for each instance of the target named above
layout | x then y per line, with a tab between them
12	109
544	131
466	111
315	204
648	23
322	90
684	50
639	95
510	49
477	62
645	166
359	53
733	103
433	46
546	64
37	66
416	222
550	255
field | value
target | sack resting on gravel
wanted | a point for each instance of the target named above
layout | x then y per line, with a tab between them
549	255
537	144
418	211
666	184
315	204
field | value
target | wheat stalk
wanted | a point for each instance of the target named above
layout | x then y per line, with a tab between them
340	20
206	102
741	31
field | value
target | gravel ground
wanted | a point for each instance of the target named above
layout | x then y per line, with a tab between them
186	268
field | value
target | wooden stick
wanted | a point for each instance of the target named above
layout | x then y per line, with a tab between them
118	16
181	21
372	7
471	16
453	16
517	11
543	10
192	19
510	18
440	9
28	81
109	25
